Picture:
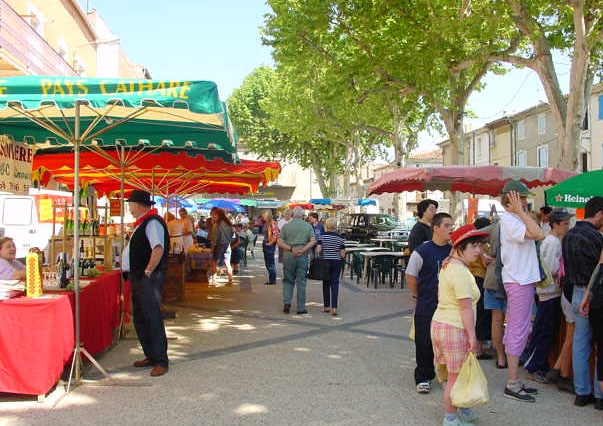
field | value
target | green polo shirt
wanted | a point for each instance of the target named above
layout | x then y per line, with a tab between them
297	233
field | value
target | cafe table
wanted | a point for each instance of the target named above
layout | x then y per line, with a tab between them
369	257
36	340
349	251
384	241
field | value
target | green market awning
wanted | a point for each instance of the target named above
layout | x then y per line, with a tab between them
247	202
576	191
44	111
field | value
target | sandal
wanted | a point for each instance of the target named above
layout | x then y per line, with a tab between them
327	310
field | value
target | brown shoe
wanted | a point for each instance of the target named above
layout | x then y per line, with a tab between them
143	363
158	370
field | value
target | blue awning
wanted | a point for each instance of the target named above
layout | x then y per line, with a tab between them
366	202
321	201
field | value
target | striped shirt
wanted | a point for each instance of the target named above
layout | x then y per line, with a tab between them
331	245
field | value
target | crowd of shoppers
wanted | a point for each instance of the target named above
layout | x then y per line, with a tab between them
532	279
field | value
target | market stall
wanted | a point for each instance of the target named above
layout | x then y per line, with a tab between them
99	309
36	340
55	112
74	114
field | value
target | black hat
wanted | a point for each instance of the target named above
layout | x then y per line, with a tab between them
141	197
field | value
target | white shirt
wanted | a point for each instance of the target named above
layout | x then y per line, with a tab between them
282	222
175	229
154	233
518	253
187	225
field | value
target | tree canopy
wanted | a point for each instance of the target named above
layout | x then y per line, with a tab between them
358	78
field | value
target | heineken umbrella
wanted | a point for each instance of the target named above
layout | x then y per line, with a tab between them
576	191
48	111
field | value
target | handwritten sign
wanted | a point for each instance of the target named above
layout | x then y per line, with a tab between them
15	166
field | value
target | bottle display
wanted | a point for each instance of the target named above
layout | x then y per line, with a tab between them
63	270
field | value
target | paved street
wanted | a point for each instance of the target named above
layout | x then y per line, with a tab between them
237	359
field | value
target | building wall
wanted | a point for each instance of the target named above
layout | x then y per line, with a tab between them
56	37
501	145
63	25
478	147
535	137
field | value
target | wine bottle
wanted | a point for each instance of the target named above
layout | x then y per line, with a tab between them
63	270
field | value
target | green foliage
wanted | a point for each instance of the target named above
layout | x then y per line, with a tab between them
355	78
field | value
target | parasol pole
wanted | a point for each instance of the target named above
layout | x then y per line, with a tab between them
122	233
76	240
76	363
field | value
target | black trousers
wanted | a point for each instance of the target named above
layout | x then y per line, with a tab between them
148	322
425	370
484	317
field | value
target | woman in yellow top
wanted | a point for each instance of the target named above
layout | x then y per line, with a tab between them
453	324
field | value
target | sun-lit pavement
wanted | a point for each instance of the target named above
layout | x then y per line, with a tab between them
236	359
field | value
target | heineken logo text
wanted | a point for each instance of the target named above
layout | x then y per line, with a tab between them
569	198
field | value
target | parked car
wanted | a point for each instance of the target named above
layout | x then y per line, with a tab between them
364	226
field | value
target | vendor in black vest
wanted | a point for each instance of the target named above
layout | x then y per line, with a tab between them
145	261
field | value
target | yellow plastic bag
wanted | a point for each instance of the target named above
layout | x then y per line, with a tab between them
471	387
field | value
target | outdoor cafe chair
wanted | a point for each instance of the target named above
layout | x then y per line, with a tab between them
356	266
400	271
381	268
242	248
251	244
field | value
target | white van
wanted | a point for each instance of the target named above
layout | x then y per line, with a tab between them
28	218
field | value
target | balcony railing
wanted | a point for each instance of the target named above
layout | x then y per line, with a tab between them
22	46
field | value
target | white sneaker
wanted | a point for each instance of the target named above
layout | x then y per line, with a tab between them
467	416
455	422
424	387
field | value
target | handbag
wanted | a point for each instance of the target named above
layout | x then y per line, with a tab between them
471	386
319	269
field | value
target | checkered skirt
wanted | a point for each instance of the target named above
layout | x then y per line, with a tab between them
450	345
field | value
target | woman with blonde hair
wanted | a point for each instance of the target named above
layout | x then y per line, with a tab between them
453	325
330	246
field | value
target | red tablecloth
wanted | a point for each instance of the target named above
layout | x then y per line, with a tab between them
36	340
99	310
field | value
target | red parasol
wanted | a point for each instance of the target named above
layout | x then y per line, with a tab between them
305	206
484	180
162	173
